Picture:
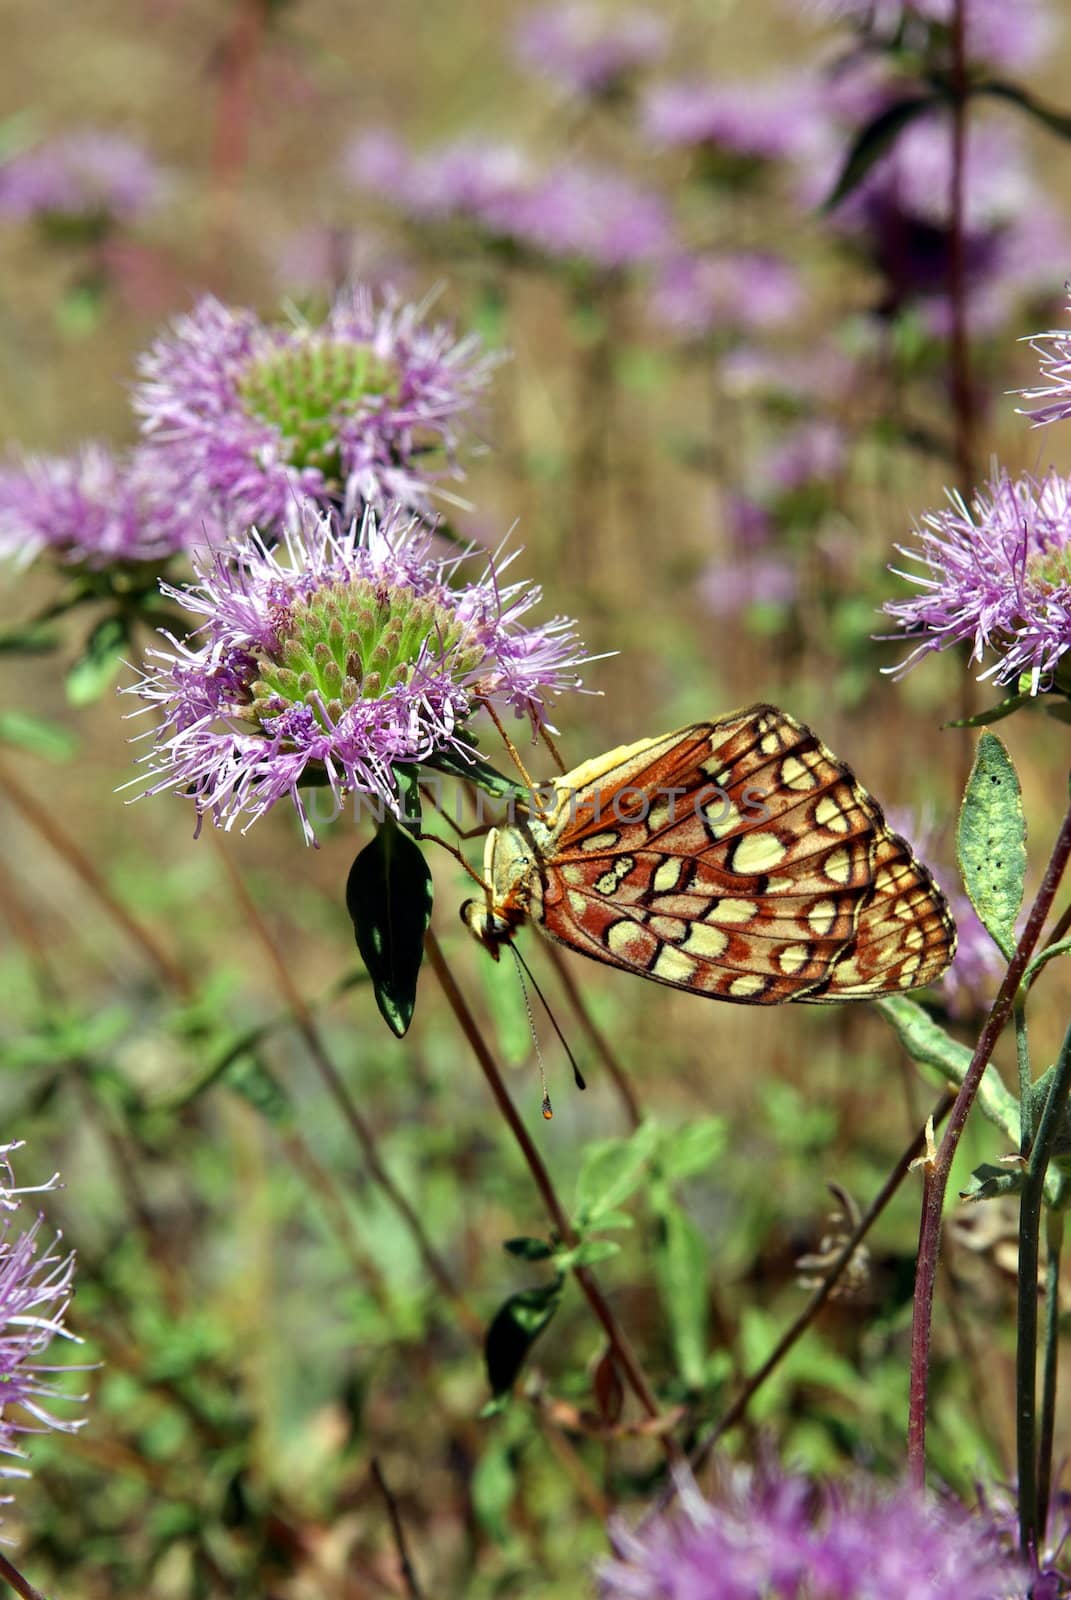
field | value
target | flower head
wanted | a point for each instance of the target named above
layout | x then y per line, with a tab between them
250	416
334	657
93	509
586	48
769	1534
588	214
997	575
467	179
743	292
35	1292
769	120
85	177
1054	348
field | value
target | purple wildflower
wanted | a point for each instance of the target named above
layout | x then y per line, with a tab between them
92	508
363	407
35	1292
770	119
743	292
1008	36
586	48
590	214
769	1534
997	575
87	176
335	656
1054	348
470	179
729	587
813	452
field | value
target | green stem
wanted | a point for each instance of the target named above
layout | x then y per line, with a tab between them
1022	1056
1027	1317
1054	1239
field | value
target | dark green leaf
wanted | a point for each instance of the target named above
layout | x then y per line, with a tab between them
30	639
984	719
610	1171
388	897
1058	122
682	1264
991	841
408	781
516	1326
475	771
40	738
248	1077
987	1181
529	1249
873	140
98	667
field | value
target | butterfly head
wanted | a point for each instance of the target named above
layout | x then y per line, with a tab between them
508	870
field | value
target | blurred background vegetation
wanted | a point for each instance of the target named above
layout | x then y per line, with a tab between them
263	1321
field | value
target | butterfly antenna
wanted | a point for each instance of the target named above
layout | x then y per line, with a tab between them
548	1110
524	969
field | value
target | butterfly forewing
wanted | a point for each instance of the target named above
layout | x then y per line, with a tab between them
738	859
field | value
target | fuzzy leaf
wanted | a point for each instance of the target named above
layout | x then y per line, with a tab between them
388	897
1043	957
991	841
693	1149
587	1253
610	1171
682	1265
928	1044
475	771
247	1076
40	738
516	1326
872	141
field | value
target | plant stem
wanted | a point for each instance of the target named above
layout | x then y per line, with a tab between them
633	1110
362	1132
14	1578
412	1586
1026	1353
796	1329
1054	1240
616	1338
1022	1056
937	1180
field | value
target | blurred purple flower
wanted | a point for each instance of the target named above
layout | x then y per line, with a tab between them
251	416
729	587
92	508
586	48
813	452
746	292
319	260
337	655
85	176
1054	348
770	119
589	214
1012	36
468	178
997	575
35	1292
771	1535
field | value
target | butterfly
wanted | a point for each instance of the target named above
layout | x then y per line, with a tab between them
738	859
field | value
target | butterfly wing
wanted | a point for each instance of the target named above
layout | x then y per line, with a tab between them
738	859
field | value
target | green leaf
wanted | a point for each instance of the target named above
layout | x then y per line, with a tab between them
610	1171
987	1181
388	897
529	1249
682	1266
31	639
928	1044
475	771
98	666
248	1077
692	1150
1058	122
40	738
408	781
872	141
984	719
991	841
514	1329
1043	957
587	1253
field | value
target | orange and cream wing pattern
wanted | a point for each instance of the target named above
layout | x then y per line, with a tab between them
738	859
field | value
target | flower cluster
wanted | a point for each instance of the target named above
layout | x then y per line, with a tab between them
739	292
86	177
996	575
770	1534
92	508
249	417
35	1292
332	658
768	120
588	49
